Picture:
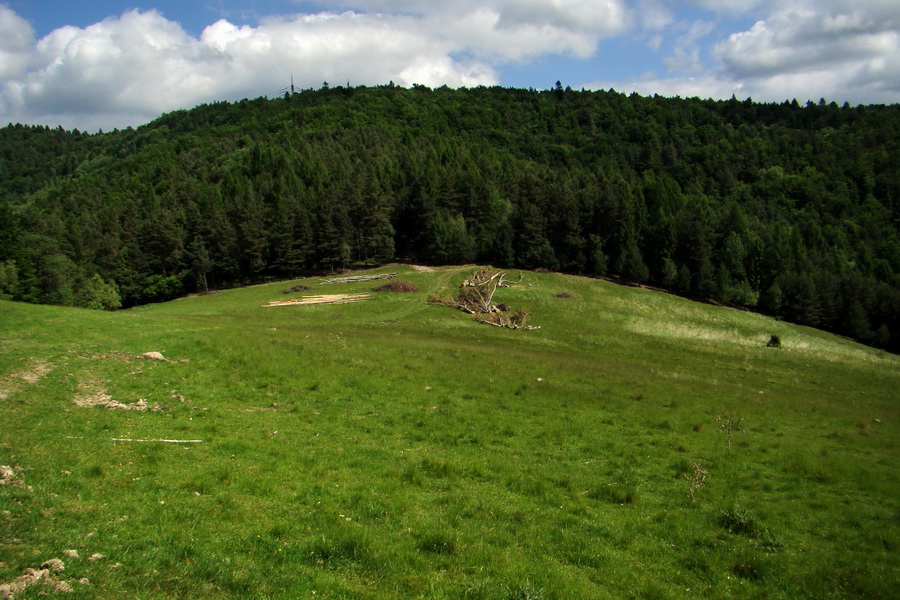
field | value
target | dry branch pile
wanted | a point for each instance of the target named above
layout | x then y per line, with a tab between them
476	297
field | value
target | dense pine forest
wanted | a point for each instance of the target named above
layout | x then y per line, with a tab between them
789	209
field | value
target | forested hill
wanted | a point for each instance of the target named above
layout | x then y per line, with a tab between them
792	210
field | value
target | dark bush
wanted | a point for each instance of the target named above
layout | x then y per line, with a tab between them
739	520
398	287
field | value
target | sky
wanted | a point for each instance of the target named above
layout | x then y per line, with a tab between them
108	64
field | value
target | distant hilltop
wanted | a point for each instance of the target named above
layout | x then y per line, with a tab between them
787	209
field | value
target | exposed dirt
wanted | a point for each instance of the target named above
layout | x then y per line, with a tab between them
35	373
43	576
423	268
93	393
31	375
9	476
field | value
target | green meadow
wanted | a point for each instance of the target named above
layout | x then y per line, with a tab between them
637	445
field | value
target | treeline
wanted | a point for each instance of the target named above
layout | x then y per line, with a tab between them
788	209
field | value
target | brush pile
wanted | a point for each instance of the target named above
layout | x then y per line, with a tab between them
476	297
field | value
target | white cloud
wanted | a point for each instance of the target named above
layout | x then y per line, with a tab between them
728	6
706	86
600	17
16	39
805	49
832	49
127	70
653	15
687	49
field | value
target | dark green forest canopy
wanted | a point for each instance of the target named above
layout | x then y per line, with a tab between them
792	210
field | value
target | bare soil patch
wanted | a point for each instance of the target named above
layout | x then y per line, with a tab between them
35	373
9	476
93	393
31	375
43	577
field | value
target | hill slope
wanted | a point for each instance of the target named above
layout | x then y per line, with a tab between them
792	210
637	445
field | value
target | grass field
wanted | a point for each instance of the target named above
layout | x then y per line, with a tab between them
637	445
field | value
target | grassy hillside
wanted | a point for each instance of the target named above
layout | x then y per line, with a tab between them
637	445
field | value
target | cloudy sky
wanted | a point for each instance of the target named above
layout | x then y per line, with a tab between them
113	63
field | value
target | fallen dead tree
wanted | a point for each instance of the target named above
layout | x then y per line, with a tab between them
476	297
323	299
359	278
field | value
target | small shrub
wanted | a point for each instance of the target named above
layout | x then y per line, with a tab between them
697	480
296	289
774	342
730	424
739	520
398	287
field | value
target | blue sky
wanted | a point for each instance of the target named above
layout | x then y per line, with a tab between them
108	63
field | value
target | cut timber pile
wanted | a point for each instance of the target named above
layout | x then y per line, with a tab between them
325	299
359	278
476	297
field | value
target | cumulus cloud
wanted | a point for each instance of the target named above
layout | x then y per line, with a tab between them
599	17
687	49
16	39
805	49
833	49
126	70
703	86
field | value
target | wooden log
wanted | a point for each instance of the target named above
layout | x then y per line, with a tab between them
359	278
323	299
